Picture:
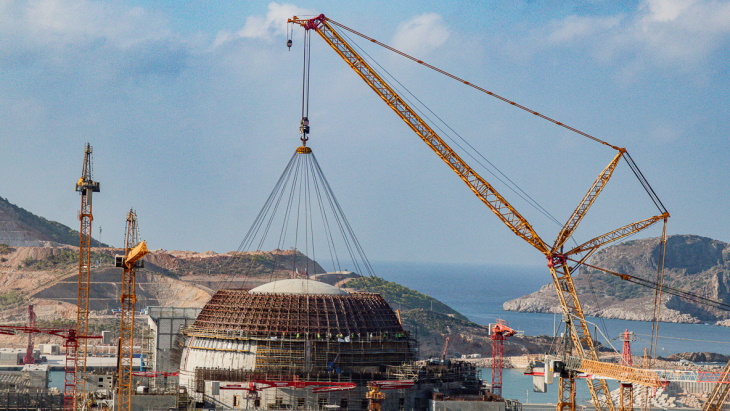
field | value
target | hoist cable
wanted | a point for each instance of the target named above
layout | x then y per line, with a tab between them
345	226
372	40
331	245
665	288
645	183
512	186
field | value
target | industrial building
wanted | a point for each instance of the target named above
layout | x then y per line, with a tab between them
299	344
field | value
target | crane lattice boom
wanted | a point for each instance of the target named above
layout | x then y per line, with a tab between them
133	253
75	377
557	261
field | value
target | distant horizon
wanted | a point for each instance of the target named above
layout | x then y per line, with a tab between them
193	109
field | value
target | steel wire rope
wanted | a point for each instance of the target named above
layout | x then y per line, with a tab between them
345	224
272	200
287	211
667	289
649	344
512	186
372	40
687	339
295	194
338	219
332	247
644	182
308	219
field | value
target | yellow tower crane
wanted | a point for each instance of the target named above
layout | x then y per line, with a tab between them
557	259
129	262
75	378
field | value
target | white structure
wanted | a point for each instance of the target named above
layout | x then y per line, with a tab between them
165	323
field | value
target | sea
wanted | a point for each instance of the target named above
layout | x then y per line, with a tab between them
478	291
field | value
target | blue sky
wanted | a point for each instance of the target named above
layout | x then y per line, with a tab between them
193	112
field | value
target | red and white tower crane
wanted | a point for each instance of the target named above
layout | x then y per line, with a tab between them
498	333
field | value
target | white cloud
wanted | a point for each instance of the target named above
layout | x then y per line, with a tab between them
264	27
102	39
71	21
681	33
421	34
576	27
666	10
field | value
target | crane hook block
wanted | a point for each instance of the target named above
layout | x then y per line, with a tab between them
304	126
288	44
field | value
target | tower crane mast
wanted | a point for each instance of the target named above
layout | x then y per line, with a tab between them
28	359
557	259
129	262
498	333
75	377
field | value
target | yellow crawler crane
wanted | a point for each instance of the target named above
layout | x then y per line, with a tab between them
75	378
556	258
130	261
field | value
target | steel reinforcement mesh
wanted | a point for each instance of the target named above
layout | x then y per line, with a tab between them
295	315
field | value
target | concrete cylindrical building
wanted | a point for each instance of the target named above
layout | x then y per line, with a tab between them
292	330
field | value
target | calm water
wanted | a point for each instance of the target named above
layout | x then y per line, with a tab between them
478	291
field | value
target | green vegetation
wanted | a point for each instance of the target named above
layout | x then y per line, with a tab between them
12	299
6	249
64	259
403	298
431	323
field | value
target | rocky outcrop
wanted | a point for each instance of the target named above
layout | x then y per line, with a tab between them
694	264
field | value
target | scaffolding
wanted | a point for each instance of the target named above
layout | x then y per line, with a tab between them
274	314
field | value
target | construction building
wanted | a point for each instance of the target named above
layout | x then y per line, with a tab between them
165	324
298	344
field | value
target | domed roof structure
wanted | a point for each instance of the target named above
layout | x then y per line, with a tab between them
298	286
297	307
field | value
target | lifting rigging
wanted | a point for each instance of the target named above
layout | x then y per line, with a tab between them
557	258
75	378
134	251
302	201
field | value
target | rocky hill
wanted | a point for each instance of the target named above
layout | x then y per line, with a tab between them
21	228
695	264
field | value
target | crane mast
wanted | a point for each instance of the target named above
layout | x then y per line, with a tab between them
75	377
556	258
130	261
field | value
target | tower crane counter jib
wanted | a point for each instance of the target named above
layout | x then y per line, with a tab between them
557	259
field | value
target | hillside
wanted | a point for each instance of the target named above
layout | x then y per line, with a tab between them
47	278
695	264
21	228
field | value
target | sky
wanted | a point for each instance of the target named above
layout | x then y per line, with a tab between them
193	110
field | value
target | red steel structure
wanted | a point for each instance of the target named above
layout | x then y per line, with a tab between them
626	388
498	333
28	359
